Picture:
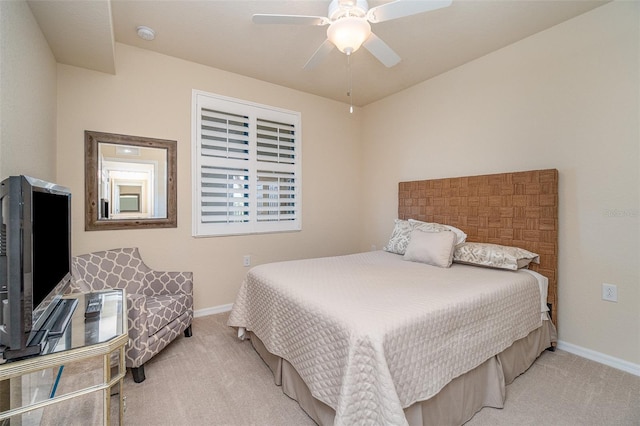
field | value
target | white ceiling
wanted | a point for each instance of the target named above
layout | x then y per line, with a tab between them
220	34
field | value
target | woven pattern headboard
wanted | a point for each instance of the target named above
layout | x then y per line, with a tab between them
516	209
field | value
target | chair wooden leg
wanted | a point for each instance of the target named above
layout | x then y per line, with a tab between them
138	374
188	332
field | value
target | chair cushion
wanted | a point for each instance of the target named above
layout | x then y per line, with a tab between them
163	309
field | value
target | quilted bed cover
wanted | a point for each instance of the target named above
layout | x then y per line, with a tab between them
371	333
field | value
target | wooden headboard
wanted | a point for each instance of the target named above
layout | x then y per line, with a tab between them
515	209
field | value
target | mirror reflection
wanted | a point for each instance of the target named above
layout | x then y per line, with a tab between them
132	182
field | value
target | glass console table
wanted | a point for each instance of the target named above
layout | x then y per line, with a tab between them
85	369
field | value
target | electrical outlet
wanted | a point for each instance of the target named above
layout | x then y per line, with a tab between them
246	260
609	292
373	247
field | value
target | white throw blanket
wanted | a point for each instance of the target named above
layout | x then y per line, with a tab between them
371	334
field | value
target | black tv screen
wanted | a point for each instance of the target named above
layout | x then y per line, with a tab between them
50	242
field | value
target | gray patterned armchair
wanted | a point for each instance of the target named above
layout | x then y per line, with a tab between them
160	304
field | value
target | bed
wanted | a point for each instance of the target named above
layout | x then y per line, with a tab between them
373	338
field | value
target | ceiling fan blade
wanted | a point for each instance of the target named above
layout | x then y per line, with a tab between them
381	51
290	19
321	53
401	8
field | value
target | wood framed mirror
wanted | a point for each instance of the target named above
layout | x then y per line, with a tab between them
130	182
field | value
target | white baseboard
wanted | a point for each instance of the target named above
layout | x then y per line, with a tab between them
213	310
608	360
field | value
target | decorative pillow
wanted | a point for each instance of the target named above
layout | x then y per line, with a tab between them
432	248
437	227
399	237
494	256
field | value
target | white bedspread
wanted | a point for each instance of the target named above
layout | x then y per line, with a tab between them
371	333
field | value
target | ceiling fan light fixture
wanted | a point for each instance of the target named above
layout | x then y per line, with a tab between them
349	33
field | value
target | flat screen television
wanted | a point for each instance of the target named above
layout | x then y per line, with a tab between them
35	263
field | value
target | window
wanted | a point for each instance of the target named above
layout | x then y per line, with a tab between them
246	167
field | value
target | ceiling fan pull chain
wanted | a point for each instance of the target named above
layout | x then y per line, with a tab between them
349	83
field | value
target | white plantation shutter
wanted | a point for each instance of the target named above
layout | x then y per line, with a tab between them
224	195
276	142
276	196
246	167
224	135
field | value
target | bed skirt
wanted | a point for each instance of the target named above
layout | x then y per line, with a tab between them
455	404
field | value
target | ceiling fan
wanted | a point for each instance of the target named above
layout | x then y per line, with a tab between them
350	26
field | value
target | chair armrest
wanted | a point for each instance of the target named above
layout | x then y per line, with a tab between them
137	317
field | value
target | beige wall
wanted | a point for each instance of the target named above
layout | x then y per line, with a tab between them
567	98
27	96
151	96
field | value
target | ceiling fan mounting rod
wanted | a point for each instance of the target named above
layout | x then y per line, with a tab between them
345	8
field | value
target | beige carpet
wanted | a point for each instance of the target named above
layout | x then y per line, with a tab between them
213	378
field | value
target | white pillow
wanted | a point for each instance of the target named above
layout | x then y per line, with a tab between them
432	248
461	237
